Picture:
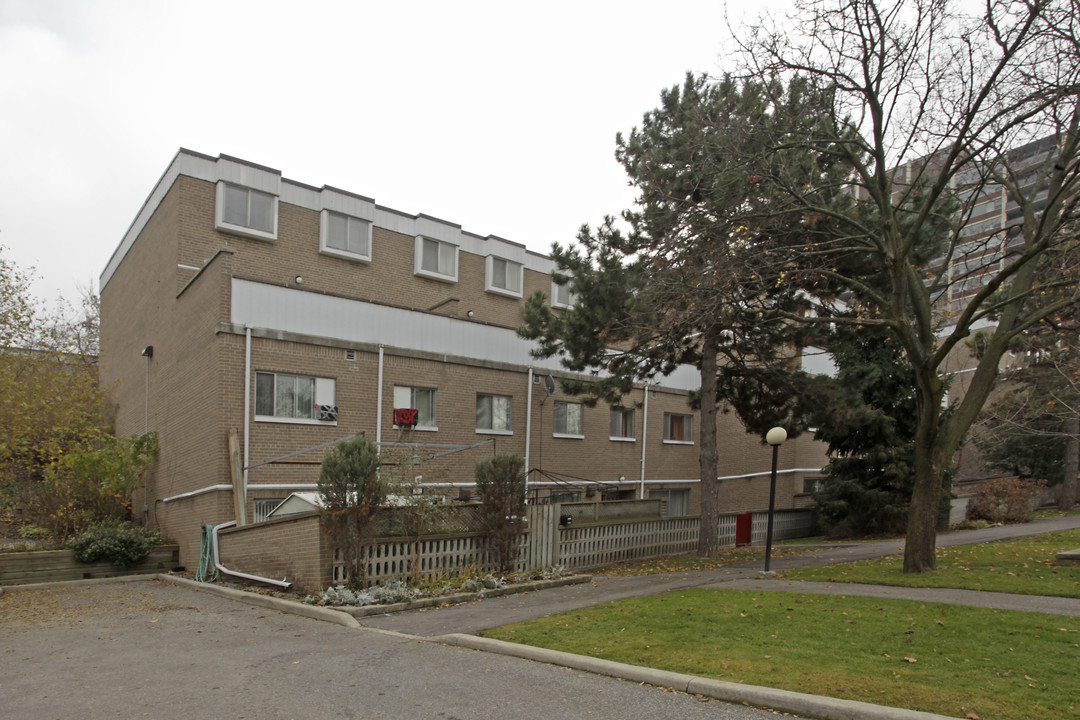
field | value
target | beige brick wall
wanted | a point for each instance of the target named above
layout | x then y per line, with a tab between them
181	521
388	279
292	548
175	393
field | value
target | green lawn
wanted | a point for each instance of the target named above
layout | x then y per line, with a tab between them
1026	566
951	660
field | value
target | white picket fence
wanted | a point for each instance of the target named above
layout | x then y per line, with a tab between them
597	545
430	557
576	547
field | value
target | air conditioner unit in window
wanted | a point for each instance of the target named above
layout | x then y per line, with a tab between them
326	413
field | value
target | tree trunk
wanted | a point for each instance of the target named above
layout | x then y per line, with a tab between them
709	535
920	550
1067	493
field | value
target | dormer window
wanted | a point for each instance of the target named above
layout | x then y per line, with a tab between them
345	236
436	259
245	211
561	297
503	276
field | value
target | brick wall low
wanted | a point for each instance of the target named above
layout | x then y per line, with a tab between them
291	547
181	521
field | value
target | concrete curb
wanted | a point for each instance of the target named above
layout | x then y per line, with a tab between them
458	598
273	603
88	581
1069	557
815	706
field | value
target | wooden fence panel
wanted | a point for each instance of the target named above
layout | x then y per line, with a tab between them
546	544
598	545
541	548
20	568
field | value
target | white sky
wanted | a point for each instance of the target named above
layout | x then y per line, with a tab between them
498	116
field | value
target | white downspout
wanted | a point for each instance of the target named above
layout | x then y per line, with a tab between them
222	569
378	405
644	438
247	407
528	434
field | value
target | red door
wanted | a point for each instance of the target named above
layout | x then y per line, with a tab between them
744	528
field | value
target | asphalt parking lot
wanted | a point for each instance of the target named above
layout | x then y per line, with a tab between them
151	649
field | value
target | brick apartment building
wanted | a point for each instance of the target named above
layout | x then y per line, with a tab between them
296	316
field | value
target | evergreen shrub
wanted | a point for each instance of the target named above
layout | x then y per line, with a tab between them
121	543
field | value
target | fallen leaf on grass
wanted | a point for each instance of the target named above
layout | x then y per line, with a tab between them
910	660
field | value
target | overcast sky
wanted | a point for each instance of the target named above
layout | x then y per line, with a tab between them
500	117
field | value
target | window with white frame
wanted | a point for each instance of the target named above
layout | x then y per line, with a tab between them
504	276
493	414
246	211
436	259
568	418
345	236
283	397
676	502
622	423
678	428
422	400
561	297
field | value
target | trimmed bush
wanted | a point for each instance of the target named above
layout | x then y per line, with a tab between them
122	544
1007	500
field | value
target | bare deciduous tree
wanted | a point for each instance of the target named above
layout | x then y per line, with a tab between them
937	116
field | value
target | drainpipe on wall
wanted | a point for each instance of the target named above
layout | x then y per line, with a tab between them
644	438
147	352
247	407
528	434
378	406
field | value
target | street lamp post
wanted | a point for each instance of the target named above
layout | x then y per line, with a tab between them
774	437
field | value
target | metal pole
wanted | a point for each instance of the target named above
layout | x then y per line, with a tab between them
528	434
772	507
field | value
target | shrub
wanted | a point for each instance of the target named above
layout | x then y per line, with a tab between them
93	482
500	483
1007	500
350	489
394	591
123	544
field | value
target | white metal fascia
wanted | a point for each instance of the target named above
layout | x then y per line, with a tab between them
289	310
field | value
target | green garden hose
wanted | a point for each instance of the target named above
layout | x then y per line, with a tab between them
207	571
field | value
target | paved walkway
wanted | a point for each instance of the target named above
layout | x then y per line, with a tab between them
472	618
